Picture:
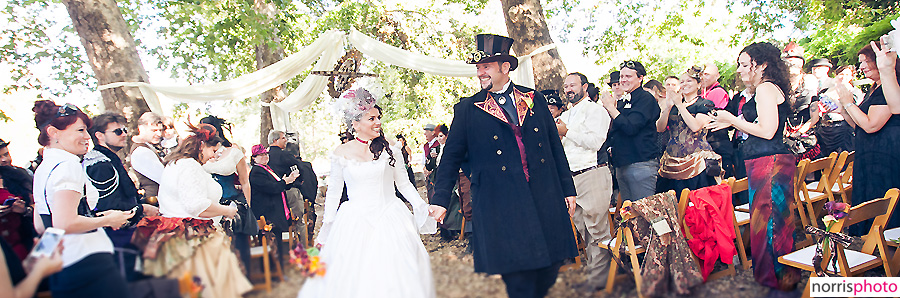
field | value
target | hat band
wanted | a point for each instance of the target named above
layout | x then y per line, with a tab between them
477	56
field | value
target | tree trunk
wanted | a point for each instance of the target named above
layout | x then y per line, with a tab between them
112	53
526	24
268	53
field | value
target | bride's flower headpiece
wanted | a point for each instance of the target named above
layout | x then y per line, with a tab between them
352	104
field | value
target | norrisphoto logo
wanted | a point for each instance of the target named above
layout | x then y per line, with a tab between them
854	286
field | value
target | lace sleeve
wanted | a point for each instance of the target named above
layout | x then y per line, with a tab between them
192	187
425	223
332	197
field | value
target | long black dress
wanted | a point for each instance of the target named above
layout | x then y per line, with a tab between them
876	162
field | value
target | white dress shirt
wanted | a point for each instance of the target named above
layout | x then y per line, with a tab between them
146	162
588	125
62	170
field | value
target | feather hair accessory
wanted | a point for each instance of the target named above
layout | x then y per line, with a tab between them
352	104
203	131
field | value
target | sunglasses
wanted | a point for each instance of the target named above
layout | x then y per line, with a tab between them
67	109
119	131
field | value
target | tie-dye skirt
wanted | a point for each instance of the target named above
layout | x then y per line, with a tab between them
771	180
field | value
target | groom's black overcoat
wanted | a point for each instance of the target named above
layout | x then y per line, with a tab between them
517	224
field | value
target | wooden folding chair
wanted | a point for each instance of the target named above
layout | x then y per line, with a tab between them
806	199
737	186
614	210
832	184
683	203
741	219
579	242
844	181
851	262
261	249
631	248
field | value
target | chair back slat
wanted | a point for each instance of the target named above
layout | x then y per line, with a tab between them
868	210
823	165
739	185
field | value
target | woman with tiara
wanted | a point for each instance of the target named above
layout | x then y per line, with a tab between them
371	245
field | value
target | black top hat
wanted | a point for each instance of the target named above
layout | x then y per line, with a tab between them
553	98
3	143
820	62
493	48
613	77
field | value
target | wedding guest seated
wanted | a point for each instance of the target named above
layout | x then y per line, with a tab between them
185	239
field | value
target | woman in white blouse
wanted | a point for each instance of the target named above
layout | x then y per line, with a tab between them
186	190
64	199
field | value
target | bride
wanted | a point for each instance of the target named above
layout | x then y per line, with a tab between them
371	245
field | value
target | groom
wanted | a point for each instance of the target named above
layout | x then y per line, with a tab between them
521	187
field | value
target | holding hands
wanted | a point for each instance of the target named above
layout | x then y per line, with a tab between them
437	212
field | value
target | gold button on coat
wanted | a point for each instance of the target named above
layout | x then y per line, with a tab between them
503	168
495	137
535	129
499	152
540	145
542	160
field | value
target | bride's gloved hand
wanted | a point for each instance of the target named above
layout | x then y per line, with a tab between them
437	212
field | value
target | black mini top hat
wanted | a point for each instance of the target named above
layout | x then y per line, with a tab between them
493	48
613	77
553	98
820	62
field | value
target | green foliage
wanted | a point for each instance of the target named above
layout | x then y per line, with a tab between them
32	39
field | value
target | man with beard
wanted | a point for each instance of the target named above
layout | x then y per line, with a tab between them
116	190
146	159
521	183
583	130
633	133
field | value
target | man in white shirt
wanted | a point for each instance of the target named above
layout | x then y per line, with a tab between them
583	129
145	159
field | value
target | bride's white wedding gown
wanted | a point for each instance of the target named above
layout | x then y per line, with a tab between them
371	245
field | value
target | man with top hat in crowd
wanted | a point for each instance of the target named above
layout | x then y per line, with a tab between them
633	133
522	189
583	129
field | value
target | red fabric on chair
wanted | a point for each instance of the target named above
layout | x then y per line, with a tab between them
711	222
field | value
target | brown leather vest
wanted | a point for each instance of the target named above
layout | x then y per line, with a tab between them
150	187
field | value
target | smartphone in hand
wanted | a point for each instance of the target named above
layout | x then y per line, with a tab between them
48	243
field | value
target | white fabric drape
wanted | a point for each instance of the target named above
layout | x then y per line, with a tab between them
325	51
406	59
244	86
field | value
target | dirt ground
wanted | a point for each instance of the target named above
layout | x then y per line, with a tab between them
454	276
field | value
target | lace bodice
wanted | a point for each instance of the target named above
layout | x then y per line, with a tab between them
371	184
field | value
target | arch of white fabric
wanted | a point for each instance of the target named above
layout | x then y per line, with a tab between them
324	51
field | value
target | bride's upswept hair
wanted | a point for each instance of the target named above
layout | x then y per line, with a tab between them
379	144
351	106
